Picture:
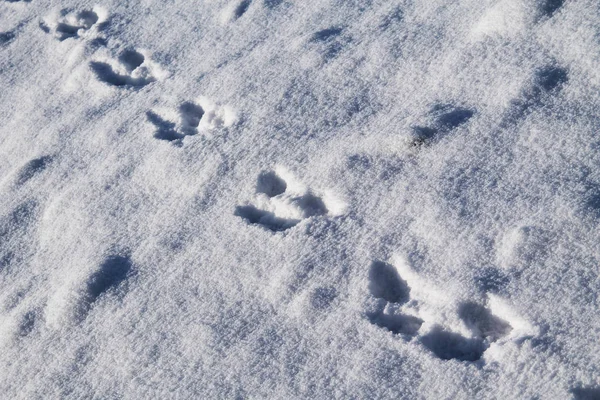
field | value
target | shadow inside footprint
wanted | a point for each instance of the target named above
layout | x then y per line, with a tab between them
483	322
107	279
66	31
549	7
105	73
191	115
385	283
109	275
454	118
241	8
86	19
326	34
265	218
19	219
550	78
421	135
131	59
165	130
270	184
452	346
586	393
6	37
445	119
32	168
27	323
397	323
311	205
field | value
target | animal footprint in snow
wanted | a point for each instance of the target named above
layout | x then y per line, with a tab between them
77	294
443	119
32	168
439	316
7	37
386	285
548	8
132	68
282	202
65	25
235	10
192	118
484	326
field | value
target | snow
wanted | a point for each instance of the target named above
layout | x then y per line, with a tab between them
316	199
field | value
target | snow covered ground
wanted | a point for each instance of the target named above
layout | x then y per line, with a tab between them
300	199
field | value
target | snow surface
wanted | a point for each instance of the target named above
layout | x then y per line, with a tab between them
310	199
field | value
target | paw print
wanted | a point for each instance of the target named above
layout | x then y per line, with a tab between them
82	24
282	203
191	118
132	68
408	305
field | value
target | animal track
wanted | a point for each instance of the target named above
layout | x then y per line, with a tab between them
482	322
109	275
265	218
78	293
397	323
132	68
283	206
67	25
547	8
32	168
270	184
385	284
452	346
108	278
6	38
27	323
235	10
485	327
445	118
399	314
242	8
585	393
326	34
193	117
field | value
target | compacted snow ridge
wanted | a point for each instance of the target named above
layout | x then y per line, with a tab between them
278	199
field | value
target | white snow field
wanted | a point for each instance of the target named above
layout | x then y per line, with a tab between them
277	199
